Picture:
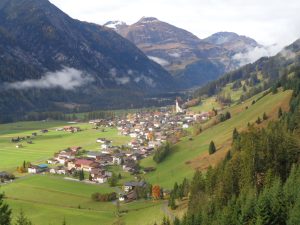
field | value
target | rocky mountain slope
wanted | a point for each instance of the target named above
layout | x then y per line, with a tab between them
191	60
49	59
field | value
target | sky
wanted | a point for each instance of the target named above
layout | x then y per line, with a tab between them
267	21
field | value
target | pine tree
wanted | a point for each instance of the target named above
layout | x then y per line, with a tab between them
5	212
258	121
235	134
265	117
171	202
81	175
22	219
280	112
212	148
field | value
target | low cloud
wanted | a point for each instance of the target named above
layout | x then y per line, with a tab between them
256	53
67	79
288	54
122	80
160	61
175	55
146	80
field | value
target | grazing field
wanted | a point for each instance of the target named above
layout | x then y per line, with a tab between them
50	199
45	145
191	154
206	105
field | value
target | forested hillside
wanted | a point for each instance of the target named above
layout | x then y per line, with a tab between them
259	76
258	181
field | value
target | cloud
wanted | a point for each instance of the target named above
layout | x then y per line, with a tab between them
120	80
67	79
146	80
256	53
288	54
175	55
160	61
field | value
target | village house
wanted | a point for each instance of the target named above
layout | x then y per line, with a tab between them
118	158
72	129
58	170
83	164
34	169
128	186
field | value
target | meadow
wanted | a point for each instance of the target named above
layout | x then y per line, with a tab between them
189	155
45	145
49	199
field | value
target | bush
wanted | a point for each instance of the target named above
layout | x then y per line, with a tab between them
97	197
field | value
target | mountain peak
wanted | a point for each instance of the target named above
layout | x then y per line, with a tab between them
116	24
148	20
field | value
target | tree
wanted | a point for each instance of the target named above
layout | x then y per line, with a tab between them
258	121
171	202
81	175
280	112
22	219
5	212
156	192
235	134
265	117
64	222
212	148
113	181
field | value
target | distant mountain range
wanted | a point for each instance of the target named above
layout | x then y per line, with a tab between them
260	75
192	61
49	60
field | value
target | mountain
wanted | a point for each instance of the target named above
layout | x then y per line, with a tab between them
49	59
232	41
260	75
192	61
117	25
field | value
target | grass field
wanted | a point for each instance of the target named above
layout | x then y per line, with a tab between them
189	155
206	105
50	199
44	145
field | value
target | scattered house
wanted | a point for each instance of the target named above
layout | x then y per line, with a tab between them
185	126
128	186
34	169
118	158
34	134
52	161
84	164
106	145
71	129
44	131
19	146
58	170
75	148
94	155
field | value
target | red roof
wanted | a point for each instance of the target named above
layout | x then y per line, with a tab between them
84	162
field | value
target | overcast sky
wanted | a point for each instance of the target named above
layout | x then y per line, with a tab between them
267	21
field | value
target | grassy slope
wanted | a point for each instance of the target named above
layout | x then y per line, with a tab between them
54	198
44	145
193	154
206	105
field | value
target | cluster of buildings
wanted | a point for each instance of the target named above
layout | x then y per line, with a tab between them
148	131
